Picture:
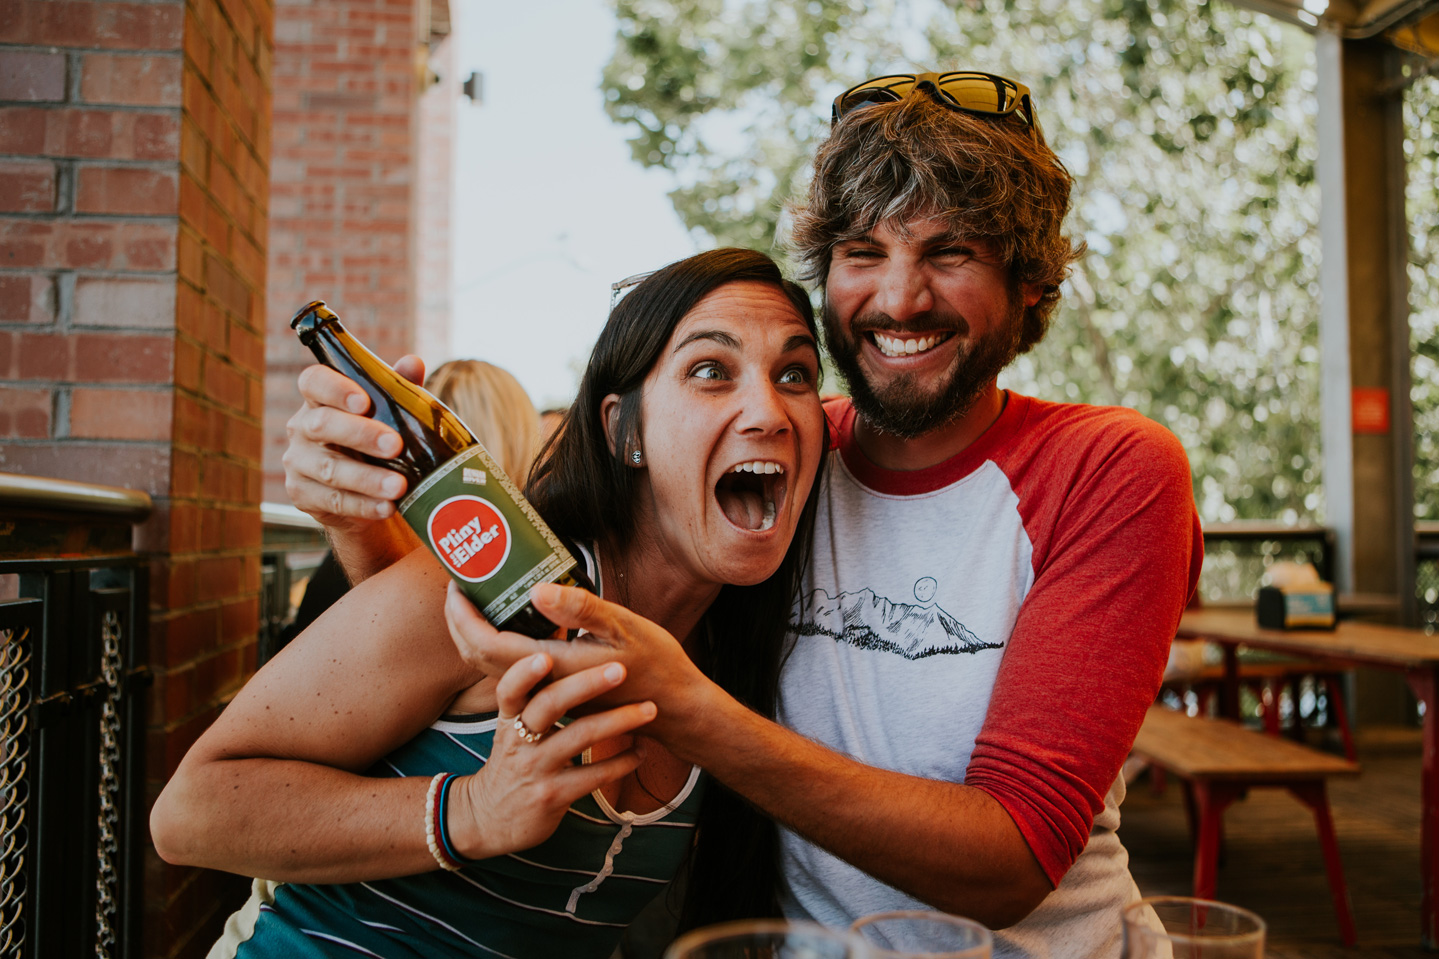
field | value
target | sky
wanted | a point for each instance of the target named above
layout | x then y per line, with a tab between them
549	207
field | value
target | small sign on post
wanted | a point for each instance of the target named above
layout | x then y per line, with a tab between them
1370	409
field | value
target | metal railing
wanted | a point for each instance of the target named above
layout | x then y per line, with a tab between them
74	621
294	545
1237	554
1426	574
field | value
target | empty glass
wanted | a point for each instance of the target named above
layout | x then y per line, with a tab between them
767	939
923	934
1178	927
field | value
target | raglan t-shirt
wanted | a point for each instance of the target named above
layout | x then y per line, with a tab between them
1001	619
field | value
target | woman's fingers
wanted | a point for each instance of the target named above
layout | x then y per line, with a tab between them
317	474
576	781
411	367
563	696
323	475
513	691
322	386
481	645
345	429
582	733
575	608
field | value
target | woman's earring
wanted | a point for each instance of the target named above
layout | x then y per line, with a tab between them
637	457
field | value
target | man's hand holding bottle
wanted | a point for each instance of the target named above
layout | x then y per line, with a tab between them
323	475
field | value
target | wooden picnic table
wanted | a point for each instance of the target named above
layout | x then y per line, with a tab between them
1410	651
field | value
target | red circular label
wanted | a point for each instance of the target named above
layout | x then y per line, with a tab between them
470	536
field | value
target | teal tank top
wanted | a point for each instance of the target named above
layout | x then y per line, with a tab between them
570	896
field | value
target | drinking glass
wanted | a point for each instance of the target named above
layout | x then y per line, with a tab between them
767	939
923	934
1178	927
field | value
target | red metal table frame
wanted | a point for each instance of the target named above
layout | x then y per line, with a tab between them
1410	651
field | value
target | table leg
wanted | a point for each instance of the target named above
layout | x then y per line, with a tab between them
1229	697
1425	683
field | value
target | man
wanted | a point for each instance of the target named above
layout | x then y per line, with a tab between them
994	582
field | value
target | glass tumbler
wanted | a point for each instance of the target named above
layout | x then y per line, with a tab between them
767	939
923	934
1178	927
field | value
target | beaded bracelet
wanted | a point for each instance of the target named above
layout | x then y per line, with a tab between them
442	824
440	850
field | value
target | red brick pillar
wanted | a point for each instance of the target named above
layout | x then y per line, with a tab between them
345	182
133	188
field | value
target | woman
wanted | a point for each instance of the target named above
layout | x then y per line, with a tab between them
684	474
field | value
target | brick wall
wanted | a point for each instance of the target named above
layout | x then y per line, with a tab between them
212	581
89	135
133	187
347	164
434	200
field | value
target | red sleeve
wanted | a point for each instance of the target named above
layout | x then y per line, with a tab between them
837	410
1109	508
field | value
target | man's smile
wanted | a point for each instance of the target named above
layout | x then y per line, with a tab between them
907	346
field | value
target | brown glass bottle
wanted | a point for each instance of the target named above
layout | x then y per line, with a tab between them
459	501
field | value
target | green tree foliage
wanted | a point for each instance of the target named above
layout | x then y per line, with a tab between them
1421	120
1189	128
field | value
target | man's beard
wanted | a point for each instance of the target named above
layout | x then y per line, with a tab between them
901	407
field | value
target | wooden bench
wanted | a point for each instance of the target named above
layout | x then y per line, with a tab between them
1267	680
1219	761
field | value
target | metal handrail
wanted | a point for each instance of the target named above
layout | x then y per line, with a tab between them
285	516
76	638
46	494
1262	527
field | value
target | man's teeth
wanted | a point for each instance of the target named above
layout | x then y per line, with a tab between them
892	346
758	466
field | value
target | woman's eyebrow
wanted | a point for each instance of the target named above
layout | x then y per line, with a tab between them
800	341
718	336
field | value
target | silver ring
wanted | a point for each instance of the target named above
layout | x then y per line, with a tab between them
525	733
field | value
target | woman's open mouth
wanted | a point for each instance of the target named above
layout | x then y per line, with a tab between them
751	494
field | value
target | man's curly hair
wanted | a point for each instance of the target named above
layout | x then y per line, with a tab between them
989	178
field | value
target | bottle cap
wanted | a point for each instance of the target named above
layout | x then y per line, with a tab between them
312	316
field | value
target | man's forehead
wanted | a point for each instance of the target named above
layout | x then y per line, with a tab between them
926	229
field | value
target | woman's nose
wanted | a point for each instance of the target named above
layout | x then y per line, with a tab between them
763	410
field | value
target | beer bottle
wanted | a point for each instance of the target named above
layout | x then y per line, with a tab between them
460	502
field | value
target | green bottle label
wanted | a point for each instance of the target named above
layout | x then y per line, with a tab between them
486	535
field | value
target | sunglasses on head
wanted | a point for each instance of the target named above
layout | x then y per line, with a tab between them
620	288
970	91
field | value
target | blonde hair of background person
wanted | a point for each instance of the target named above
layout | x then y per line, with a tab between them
495	407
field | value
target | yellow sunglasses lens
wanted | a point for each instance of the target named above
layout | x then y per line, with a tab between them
980	93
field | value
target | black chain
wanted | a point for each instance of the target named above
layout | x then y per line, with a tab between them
107	881
15	697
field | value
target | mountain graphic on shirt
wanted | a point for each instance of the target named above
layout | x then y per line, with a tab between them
914	631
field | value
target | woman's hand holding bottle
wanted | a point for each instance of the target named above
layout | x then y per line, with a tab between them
518	799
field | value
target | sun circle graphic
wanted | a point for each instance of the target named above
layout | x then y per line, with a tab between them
924	589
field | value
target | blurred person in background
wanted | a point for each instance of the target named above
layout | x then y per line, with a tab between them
550	420
497	410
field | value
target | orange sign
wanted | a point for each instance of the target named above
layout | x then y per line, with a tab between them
1370	405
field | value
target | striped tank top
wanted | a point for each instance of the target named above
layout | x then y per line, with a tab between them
570	896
